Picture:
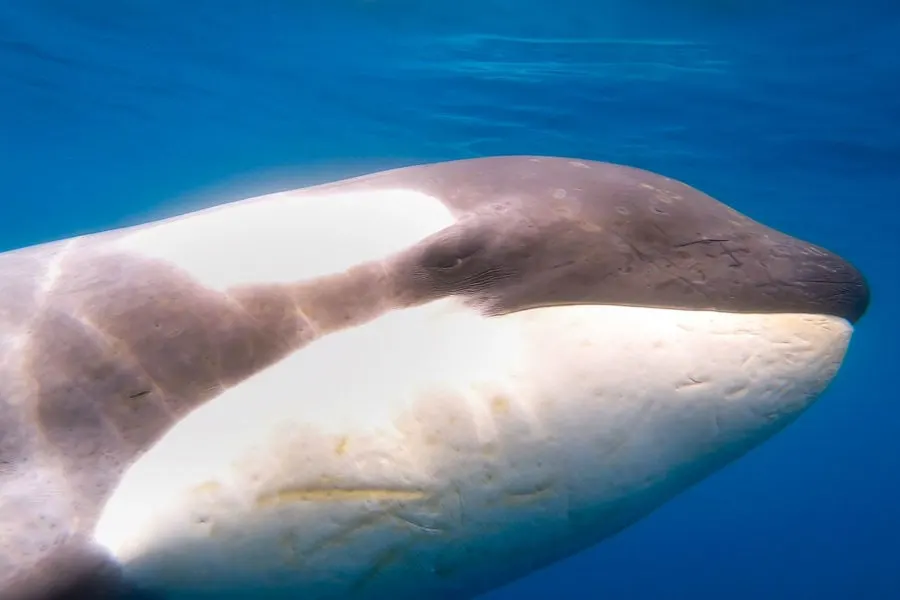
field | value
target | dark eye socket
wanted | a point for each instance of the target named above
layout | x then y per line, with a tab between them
452	253
446	262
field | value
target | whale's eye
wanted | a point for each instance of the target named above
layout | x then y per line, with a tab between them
451	253
447	262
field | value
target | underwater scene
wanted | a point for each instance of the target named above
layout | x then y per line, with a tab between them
457	299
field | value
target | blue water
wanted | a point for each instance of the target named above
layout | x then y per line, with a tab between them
112	113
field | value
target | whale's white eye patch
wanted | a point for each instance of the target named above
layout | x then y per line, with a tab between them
292	236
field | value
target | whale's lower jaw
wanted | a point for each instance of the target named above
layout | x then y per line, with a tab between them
436	453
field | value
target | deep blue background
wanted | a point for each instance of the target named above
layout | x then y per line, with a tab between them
112	113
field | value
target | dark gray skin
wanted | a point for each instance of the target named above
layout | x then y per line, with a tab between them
97	366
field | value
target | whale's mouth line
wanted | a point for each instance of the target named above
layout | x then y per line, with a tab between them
494	312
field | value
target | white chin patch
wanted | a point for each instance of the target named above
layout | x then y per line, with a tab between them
434	452
290	237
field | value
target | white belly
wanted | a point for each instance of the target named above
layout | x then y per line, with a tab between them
433	453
